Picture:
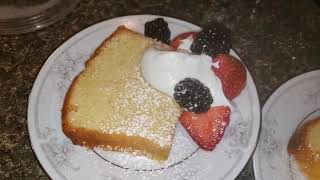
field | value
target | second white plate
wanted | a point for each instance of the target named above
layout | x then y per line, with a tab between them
294	101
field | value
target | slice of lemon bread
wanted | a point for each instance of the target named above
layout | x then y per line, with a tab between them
304	145
109	104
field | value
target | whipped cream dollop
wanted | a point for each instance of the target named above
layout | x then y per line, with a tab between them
164	69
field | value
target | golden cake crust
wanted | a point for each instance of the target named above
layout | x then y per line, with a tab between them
115	142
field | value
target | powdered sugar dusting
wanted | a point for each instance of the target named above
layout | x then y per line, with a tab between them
154	116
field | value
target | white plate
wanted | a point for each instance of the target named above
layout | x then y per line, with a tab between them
294	101
63	160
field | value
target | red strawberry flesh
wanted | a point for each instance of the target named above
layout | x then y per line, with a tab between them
232	74
206	129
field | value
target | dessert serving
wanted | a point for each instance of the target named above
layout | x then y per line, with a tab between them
184	128
136	87
304	147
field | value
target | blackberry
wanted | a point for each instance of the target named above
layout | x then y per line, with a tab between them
190	93
212	40
158	29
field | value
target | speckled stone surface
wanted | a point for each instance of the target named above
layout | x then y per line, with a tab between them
277	40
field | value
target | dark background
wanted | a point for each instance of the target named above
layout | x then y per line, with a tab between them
276	39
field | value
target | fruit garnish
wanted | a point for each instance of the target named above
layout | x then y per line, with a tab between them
212	40
158	29
175	42
232	74
206	129
192	94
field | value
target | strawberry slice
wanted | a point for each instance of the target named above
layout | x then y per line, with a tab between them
175	43
206	129
232	74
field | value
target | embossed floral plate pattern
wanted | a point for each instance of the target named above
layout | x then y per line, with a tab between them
294	101
63	160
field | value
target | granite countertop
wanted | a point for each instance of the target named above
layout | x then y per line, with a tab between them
277	40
